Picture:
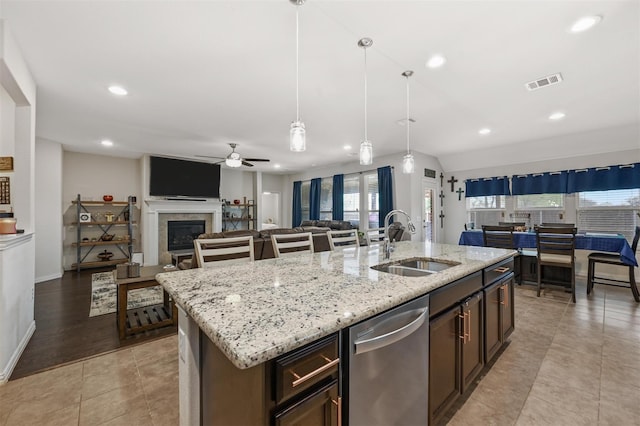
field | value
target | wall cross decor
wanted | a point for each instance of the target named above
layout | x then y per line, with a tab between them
459	191
441	197
441	179
441	219
452	181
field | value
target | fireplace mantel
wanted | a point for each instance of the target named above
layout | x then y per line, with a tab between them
152	208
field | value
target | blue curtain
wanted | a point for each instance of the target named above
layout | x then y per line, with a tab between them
385	191
539	183
314	199
604	178
487	186
338	197
296	213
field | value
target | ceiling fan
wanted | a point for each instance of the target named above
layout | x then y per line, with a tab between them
234	159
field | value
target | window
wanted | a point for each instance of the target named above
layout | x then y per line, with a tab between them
305	191
486	210
372	208
615	211
541	207
326	199
351	199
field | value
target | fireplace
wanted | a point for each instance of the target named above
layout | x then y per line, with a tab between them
181	233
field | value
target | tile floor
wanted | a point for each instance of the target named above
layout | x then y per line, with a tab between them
132	386
566	364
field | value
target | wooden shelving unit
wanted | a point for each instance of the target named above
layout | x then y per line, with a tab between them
123	216
238	216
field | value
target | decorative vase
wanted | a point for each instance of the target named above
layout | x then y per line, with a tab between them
107	198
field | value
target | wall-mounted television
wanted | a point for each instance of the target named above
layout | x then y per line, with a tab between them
170	177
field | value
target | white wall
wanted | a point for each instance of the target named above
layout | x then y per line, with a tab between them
8	118
236	184
17	260
93	176
49	226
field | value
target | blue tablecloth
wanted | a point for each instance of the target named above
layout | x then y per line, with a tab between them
617	244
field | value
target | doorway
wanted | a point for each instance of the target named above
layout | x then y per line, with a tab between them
270	202
428	200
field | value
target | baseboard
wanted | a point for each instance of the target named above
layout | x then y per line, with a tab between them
13	361
49	277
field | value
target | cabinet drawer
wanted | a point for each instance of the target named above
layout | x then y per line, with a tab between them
498	271
305	367
450	294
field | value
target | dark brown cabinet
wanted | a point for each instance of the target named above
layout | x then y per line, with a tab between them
298	388
320	408
499	314
457	353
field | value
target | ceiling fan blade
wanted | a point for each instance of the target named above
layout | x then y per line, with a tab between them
209	156
244	163
256	159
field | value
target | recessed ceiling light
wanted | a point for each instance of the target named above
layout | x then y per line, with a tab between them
557	116
585	23
484	131
347	147
276	166
436	61
118	90
106	142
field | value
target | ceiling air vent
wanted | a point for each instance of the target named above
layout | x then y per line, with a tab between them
544	82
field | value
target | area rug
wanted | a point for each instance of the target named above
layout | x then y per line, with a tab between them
103	295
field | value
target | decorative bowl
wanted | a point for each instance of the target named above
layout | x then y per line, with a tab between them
105	255
107	237
236	201
107	198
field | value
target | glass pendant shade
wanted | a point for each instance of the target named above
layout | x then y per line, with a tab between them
366	153
233	160
408	165
297	137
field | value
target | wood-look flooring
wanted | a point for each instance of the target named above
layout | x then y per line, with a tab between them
64	331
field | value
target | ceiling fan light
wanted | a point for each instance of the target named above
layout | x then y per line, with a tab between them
408	165
297	137
233	162
366	153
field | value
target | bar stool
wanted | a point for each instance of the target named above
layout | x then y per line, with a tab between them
613	259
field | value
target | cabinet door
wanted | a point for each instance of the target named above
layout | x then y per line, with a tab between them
320	408
493	323
507	309
472	354
444	362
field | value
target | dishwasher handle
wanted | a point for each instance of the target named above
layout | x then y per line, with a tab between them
367	345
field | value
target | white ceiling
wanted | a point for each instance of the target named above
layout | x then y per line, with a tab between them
203	74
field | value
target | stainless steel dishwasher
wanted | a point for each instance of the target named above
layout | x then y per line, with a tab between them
389	367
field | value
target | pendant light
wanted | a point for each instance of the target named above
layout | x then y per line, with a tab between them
297	133
408	165
366	149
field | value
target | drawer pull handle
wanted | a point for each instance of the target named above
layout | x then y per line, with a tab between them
501	270
338	404
299	380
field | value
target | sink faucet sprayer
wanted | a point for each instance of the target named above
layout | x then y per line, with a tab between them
387	244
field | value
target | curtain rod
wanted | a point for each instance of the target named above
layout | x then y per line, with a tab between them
347	174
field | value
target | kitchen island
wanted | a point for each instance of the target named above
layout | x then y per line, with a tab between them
253	313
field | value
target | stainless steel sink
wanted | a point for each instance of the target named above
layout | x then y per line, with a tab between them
415	267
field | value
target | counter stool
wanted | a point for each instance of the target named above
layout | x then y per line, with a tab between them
613	259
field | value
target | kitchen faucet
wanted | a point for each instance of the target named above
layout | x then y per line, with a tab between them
387	244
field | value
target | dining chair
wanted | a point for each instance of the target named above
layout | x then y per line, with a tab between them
613	259
210	251
557	225
344	238
290	243
374	236
498	236
514	224
556	247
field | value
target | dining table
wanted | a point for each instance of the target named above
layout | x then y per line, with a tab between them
594	241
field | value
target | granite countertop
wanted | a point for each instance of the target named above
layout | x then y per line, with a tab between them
256	311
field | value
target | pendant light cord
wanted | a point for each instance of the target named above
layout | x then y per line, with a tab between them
365	95
297	66
408	117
